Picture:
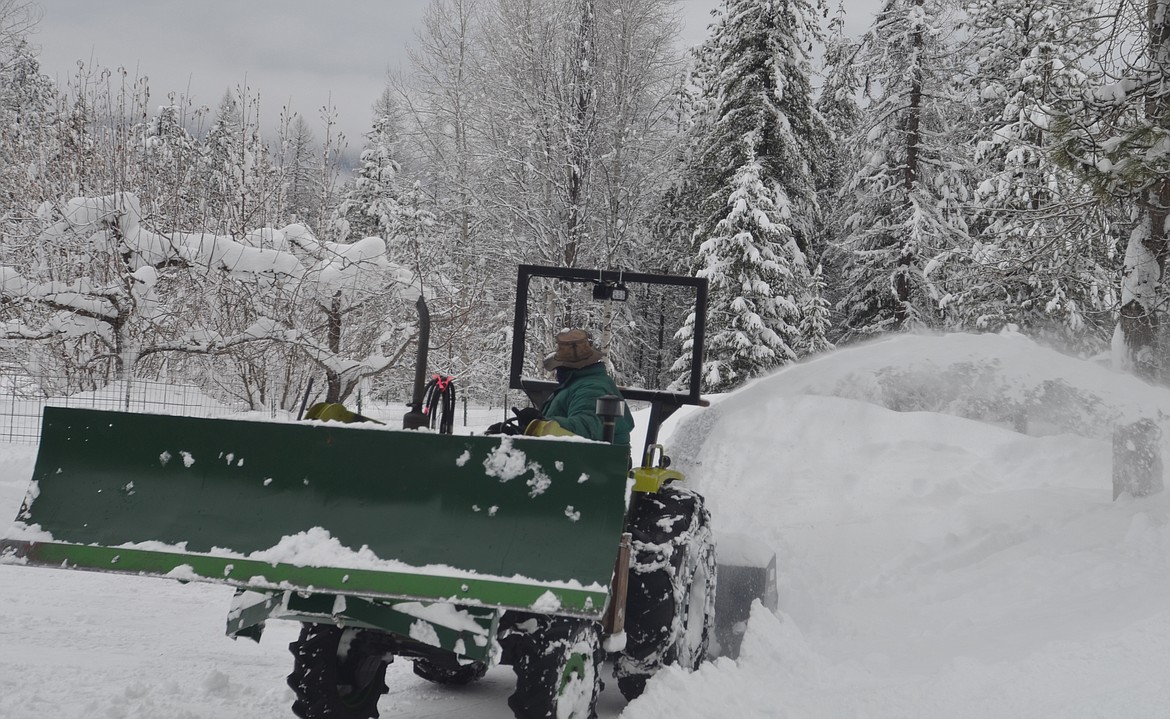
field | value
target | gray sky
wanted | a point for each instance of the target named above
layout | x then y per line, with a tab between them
303	53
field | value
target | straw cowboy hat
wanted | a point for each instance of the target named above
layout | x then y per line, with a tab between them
574	350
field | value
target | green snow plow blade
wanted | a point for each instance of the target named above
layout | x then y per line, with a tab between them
327	508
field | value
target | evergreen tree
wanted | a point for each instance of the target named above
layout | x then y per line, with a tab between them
27	109
169	158
904	202
370	204
675	215
236	168
1116	135
1037	258
302	174
837	104
752	178
750	261
815	317
837	101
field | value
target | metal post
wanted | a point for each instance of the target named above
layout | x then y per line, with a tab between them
415	419
305	399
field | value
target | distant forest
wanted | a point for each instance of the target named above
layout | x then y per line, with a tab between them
979	166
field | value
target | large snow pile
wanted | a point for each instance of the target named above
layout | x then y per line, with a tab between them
934	565
934	562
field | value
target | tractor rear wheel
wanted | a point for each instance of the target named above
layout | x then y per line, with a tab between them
557	671
337	673
670	606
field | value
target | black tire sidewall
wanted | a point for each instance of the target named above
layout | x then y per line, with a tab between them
318	675
540	670
660	587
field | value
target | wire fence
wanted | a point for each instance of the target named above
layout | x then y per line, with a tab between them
23	399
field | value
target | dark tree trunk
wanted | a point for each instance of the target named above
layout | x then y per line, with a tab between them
584	85
333	392
1139	320
901	285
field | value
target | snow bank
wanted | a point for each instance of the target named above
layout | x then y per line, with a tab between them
1005	379
934	561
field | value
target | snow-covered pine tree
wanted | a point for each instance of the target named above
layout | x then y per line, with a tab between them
370	201
1039	257
675	215
1117	136
815	317
169	159
670	249
301	171
236	168
751	261
27	107
904	201
752	177
837	104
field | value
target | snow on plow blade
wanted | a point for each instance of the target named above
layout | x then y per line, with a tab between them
325	507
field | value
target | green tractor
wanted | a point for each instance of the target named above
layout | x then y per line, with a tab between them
457	553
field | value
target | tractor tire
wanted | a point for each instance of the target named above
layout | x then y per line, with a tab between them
670	606
335	674
455	675
558	671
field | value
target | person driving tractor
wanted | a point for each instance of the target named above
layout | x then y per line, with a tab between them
572	407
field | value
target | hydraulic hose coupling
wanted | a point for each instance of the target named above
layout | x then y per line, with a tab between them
609	408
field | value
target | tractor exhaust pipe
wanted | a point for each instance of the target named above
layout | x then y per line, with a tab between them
609	408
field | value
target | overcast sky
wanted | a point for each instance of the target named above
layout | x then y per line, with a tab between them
303	53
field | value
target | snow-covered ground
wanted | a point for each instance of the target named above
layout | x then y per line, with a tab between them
948	547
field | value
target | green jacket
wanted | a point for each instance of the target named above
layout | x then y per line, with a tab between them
573	405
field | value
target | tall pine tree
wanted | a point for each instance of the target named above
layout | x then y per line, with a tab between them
905	199
1116	135
1037	259
752	178
371	201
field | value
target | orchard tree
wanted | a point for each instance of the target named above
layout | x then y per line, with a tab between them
109	300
